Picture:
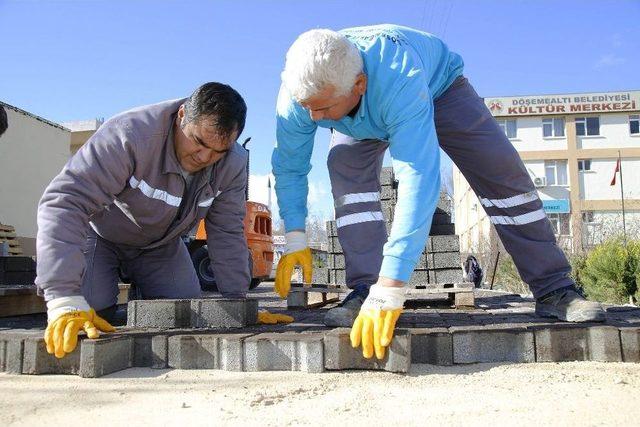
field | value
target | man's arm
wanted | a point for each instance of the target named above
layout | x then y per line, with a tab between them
87	183
416	164
291	160
226	241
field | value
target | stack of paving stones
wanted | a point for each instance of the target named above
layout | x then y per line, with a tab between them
221	334
17	270
439	263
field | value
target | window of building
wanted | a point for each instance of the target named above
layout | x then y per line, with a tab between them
509	127
584	165
587	126
556	172
552	127
634	124
561	223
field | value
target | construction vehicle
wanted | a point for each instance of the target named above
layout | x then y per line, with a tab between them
257	231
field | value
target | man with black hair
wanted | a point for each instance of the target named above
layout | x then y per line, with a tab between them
123	201
4	124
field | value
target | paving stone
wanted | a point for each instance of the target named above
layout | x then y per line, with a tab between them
477	344
446	260
432	345
334	245
445	276
223	313
579	342
206	351
337	277
630	340
388	193
168	313
443	244
150	351
320	275
336	261
332	229
339	355
464	299
284	352
12	348
36	360
103	356
386	176
419	277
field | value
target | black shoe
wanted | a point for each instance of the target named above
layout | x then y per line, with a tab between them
344	314
568	305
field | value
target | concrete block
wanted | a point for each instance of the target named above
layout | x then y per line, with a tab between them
388	193
150	351
334	246
445	276
443	260
106	355
464	299
12	348
320	275
630	341
332	229
37	361
284	352
163	313
386	176
432	345
475	344
419	277
442	230
206	351
337	277
336	261
223	313
578	342
443	244
339	355
441	218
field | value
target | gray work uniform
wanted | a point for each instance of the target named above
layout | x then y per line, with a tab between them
122	203
469	134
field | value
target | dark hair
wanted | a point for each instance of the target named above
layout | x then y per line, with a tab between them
4	124
217	102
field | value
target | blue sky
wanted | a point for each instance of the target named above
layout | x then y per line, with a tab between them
74	60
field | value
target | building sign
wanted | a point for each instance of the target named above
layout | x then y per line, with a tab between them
556	206
543	105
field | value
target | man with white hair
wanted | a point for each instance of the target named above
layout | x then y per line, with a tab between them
394	87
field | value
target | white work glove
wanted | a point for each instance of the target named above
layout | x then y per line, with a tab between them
374	326
295	241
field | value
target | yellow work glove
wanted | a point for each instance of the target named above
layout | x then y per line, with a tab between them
267	318
67	316
375	324
296	253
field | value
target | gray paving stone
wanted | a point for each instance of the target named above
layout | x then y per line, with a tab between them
630	340
443	244
150	351
36	360
445	276
339	355
419	277
388	193
443	260
336	261
206	351
334	245
320	275
578	342
223	313
12	348
386	176
168	313
284	352
477	344
337	277
103	356
332	229
432	345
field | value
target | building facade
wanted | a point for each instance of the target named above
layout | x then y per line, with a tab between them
570	145
33	150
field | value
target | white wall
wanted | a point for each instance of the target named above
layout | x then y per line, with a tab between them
595	184
32	152
529	136
614	133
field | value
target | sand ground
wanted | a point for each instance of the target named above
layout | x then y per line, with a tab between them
567	394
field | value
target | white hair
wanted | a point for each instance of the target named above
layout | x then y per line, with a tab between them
319	58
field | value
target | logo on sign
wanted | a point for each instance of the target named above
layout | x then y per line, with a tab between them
495	106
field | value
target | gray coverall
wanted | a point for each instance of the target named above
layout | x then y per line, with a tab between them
121	202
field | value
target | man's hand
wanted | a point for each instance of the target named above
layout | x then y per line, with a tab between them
67	316
375	324
296	253
266	318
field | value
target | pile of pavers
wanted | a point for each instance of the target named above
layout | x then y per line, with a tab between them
222	334
439	263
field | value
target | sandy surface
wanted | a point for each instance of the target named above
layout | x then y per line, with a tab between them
577	393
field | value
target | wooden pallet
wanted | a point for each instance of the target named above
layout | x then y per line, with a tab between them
318	295
8	236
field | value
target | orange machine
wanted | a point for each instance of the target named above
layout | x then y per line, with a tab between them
257	230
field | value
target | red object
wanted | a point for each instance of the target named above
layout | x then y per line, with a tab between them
615	173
